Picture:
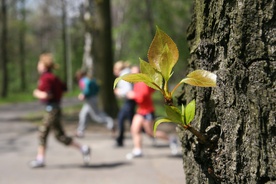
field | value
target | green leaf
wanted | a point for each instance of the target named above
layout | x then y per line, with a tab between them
165	64
116	82
201	78
190	112
163	53
140	77
147	69
183	113
173	113
159	121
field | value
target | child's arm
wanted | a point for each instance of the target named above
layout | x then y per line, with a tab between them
41	94
138	93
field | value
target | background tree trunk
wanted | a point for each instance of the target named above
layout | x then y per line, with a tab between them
103	56
149	17
4	50
22	30
66	64
87	61
237	41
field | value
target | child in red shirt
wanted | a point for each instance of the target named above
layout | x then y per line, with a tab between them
49	91
143	98
144	117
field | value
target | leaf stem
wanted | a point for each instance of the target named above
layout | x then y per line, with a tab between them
199	135
175	88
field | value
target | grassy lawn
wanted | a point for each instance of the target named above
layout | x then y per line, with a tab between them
28	97
17	97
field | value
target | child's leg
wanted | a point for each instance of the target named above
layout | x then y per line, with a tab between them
58	127
41	153
136	131
94	112
43	131
68	141
148	127
83	118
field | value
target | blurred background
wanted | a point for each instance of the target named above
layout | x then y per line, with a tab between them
67	28
81	34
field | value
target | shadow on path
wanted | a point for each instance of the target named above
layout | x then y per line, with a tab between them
91	166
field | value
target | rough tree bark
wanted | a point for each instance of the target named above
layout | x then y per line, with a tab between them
237	41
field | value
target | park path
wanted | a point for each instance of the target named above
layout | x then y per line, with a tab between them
18	141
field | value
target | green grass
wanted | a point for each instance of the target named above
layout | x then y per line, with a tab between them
17	97
28	96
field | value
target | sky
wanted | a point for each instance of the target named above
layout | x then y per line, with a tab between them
72	12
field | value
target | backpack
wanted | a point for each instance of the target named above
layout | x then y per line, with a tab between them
94	87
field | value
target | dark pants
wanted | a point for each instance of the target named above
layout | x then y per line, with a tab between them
126	113
52	120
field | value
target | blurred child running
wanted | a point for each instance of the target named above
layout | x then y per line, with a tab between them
127	109
144	118
50	90
89	95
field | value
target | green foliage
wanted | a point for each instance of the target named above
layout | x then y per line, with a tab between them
163	55
189	112
132	27
200	78
17	97
181	117
131	34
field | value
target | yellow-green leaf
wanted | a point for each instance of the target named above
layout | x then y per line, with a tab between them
165	64
201	78
183	113
156	50
190	112
173	113
147	69
159	121
140	77
116	82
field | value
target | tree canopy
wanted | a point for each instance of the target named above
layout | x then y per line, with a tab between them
40	26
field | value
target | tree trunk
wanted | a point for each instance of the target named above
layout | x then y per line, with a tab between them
4	51
103	56
236	40
87	61
22	31
66	63
149	17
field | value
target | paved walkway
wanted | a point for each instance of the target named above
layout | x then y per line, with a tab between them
18	141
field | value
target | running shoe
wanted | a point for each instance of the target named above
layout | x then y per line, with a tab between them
86	154
36	164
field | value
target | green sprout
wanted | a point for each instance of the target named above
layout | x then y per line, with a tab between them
162	56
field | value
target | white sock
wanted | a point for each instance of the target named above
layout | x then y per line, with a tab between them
137	151
40	159
84	148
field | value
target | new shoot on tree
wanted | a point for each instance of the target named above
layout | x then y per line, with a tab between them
162	56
